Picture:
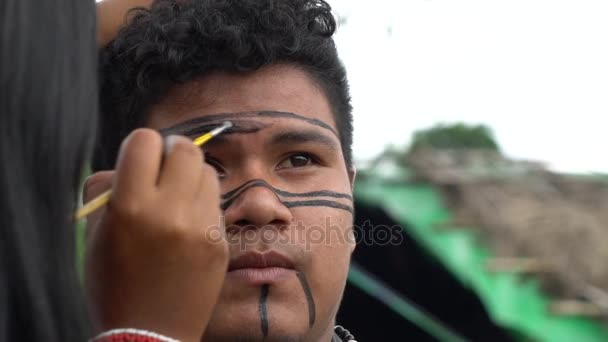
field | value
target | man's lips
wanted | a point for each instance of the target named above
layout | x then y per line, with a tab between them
257	268
260	260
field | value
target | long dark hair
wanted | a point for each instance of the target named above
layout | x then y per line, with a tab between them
48	104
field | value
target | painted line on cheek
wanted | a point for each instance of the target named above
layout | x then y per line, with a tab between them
233	195
309	299
262	183
319	203
263	309
320	193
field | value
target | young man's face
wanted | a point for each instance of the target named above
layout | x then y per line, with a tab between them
287	199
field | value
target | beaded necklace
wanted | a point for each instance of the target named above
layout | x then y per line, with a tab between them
342	335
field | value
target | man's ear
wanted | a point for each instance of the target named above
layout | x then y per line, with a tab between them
352	173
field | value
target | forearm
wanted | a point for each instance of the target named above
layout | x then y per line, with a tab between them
111	16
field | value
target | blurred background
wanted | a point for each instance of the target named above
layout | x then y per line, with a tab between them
479	141
535	72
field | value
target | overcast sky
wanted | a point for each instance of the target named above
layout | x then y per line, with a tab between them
535	71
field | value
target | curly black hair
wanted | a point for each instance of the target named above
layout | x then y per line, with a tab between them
176	41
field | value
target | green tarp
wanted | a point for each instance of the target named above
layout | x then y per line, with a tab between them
514	302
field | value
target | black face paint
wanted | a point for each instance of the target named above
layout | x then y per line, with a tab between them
235	118
249	184
233	195
238	127
309	299
319	203
263	183
263	309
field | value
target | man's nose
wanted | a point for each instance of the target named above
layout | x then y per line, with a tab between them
256	207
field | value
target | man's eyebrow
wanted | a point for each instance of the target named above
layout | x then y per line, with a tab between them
238	126
302	137
219	118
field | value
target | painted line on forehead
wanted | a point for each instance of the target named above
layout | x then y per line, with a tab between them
262	308
309	299
261	114
319	203
263	183
238	127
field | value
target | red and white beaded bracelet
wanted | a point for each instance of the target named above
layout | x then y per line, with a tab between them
131	335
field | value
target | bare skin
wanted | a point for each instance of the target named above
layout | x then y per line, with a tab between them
155	261
156	255
282	174
303	304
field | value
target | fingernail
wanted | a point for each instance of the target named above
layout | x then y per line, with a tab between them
172	140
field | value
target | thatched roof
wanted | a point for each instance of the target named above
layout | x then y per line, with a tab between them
557	223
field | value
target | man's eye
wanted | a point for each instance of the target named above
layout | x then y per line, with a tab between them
297	160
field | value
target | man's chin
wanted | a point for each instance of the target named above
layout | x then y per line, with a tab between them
284	323
269	312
